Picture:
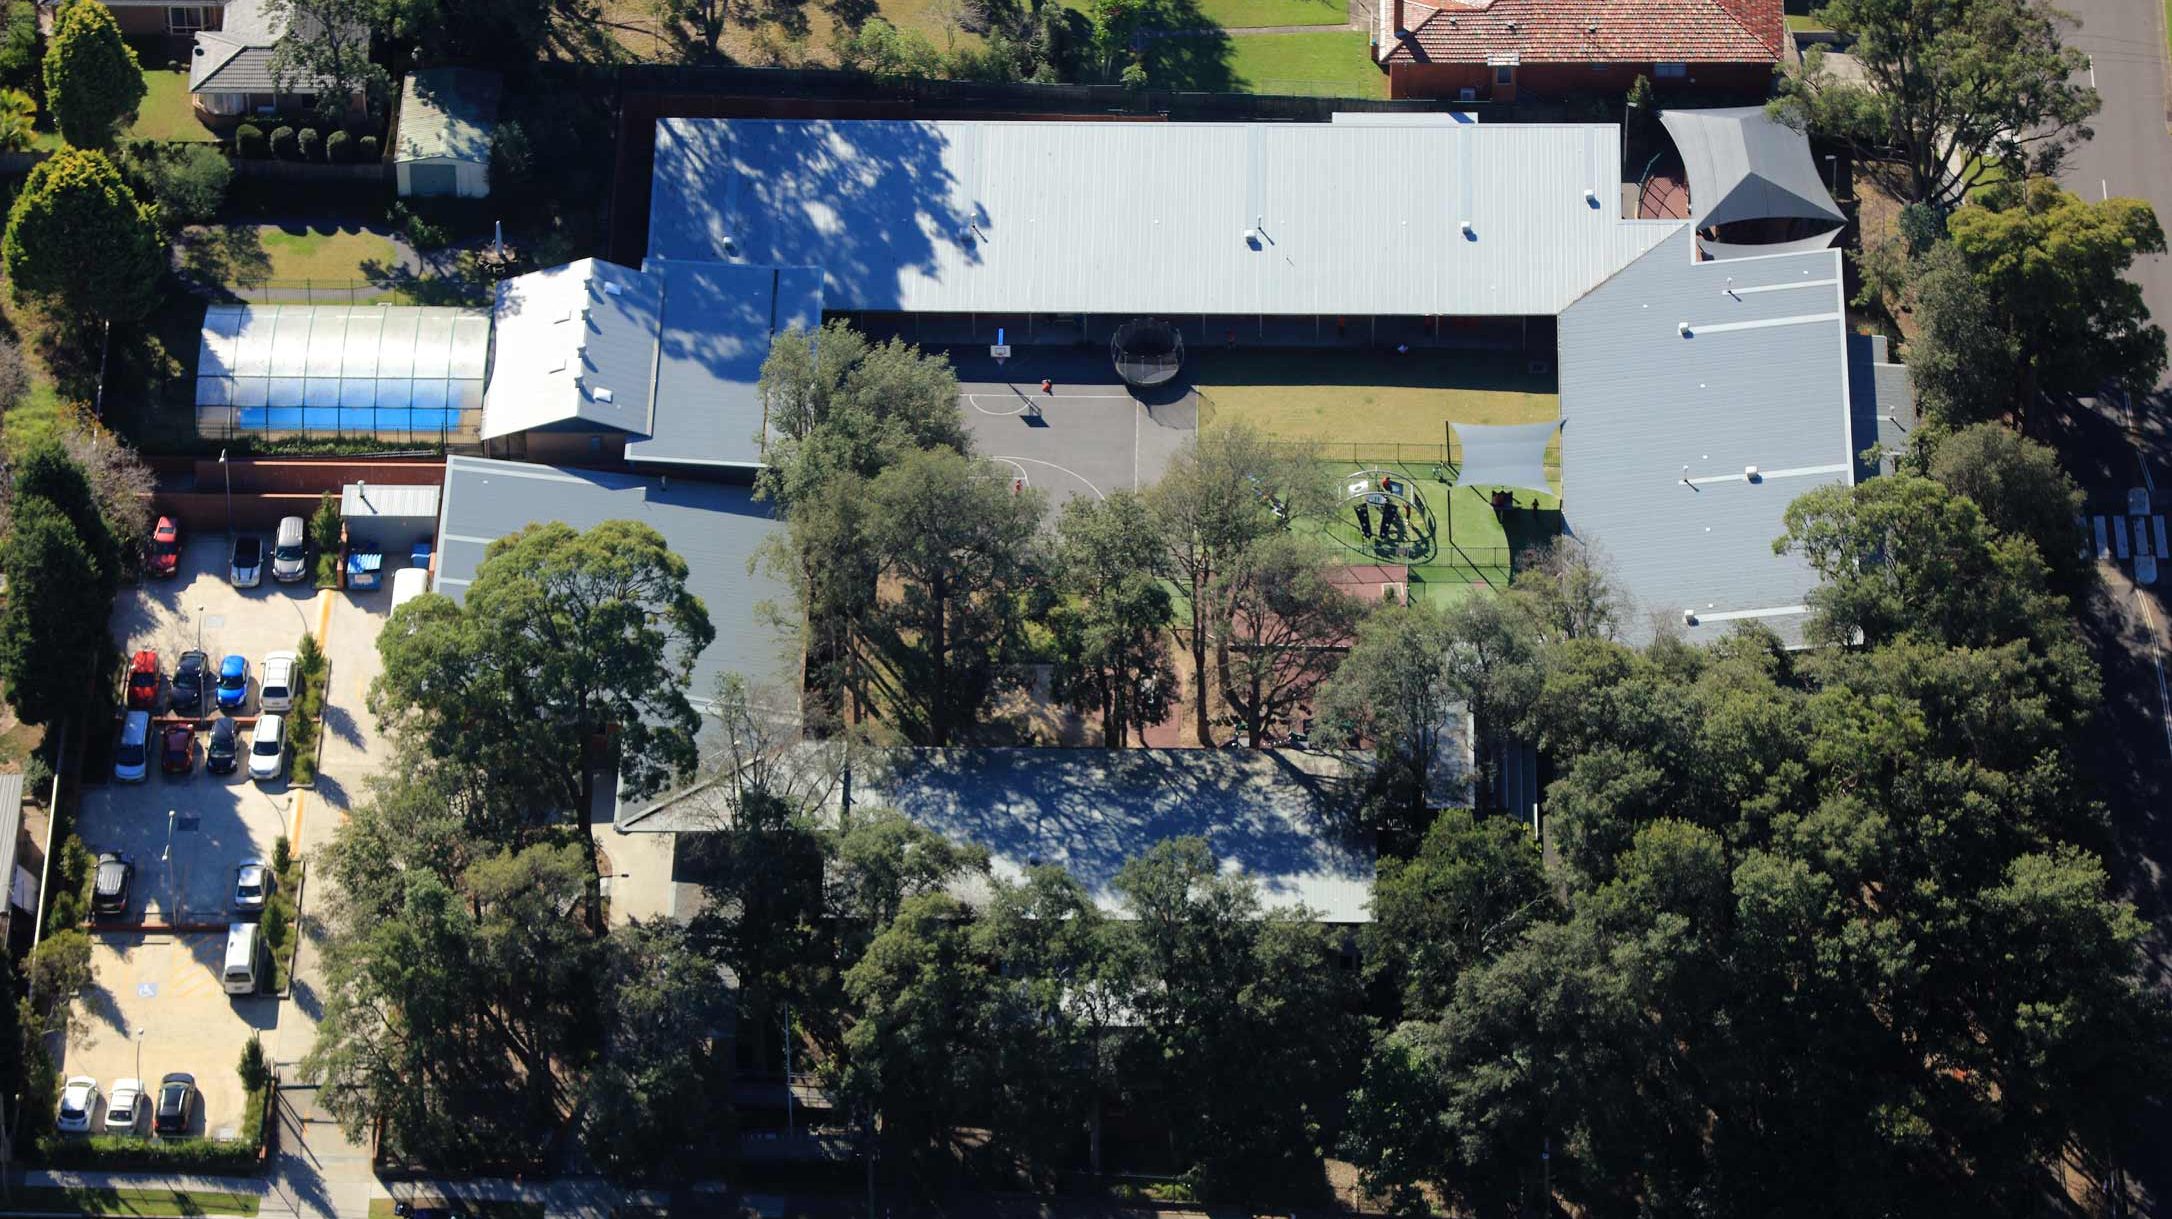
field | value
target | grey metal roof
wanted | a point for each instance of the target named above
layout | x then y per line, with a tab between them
715	528
1505	455
1744	165
429	357
11	828
717	322
448	114
1760	380
1266	813
1154	217
1881	403
573	345
365	500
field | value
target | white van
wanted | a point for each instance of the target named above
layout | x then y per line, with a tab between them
242	953
290	551
408	583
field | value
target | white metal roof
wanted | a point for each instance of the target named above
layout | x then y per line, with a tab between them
1161	218
366	500
342	356
574	343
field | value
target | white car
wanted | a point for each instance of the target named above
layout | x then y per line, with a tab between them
78	1100
268	748
275	682
125	1106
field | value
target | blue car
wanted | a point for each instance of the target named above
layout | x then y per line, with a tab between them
233	683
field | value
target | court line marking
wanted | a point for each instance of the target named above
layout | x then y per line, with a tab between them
974	401
1098	494
1023	477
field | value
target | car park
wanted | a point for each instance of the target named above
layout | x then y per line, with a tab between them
233	688
247	568
162	557
268	748
223	751
253	884
177	749
290	551
185	694
78	1100
132	757
114	877
125	1107
275	682
176	1101
143	680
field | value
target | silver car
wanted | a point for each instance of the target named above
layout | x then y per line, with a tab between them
252	886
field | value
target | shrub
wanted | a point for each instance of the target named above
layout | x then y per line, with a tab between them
19	46
282	855
284	144
71	887
117	1153
254	1068
37	777
308	141
249	141
325	521
187	181
367	147
339	147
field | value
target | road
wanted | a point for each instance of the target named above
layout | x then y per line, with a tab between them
2110	450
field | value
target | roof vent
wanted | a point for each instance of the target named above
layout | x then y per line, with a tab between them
1511	27
1689	617
1682	328
1251	238
730	246
611	288
1749	473
1593	28
603	394
1468	234
1591	197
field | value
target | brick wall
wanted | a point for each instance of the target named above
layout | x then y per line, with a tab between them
302	475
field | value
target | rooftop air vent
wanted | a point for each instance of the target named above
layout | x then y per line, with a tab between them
1682	328
604	394
1468	233
1251	238
611	288
1689	617
1591	197
1750	473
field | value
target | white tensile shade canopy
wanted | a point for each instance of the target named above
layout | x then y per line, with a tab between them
1510	455
1744	165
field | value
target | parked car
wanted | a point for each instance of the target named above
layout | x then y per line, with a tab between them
78	1100
185	693
177	749
253	886
163	556
268	748
222	751
125	1107
176	1101
247	570
233	683
113	878
143	680
275	689
290	551
132	757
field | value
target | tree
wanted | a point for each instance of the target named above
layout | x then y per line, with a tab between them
53	624
2054	268
1111	659
58	969
77	240
1958	362
1243	1015
19	66
659	1102
837	402
93	83
1222	492
18	120
505	33
185	182
959	545
1284	625
1467	895
1948	92
2021	490
48	470
324	50
254	1068
914	1056
564	636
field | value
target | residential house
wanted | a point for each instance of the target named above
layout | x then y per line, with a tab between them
151	18
231	74
1496	49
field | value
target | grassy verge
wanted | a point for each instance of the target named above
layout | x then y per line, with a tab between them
134	1201
303	725
282	914
1332	64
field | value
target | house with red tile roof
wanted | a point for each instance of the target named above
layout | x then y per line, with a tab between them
1477	50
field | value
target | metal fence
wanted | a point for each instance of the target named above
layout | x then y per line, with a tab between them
435	430
416	291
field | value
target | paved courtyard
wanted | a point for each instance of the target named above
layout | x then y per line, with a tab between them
1089	435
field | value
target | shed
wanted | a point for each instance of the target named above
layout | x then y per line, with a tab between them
446	119
22	883
387	516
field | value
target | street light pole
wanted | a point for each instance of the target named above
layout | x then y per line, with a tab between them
199	644
165	859
227	472
140	1035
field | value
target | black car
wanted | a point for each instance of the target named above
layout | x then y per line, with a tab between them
224	751
176	1100
191	677
109	892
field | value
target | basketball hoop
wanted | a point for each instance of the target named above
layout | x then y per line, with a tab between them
999	351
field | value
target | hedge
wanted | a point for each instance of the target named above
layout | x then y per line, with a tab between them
339	147
249	141
283	143
308	140
130	1153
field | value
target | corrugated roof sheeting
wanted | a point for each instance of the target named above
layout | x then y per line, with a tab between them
1761	380
567	337
365	500
448	113
343	356
715	528
1151	218
718	319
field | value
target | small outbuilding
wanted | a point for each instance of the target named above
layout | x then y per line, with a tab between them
446	119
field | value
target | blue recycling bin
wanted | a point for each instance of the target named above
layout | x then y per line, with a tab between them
419	556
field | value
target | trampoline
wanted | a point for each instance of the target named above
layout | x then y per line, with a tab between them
1147	352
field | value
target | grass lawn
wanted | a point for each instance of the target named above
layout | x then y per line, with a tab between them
38	415
1365	403
237	254
1798	23
135	1202
165	113
381	1208
1332	64
1237	14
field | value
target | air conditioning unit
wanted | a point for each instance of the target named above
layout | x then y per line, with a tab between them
1466	94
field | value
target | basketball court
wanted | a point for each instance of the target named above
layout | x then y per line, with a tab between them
1087	434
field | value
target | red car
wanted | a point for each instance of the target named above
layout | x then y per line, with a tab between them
177	749
143	681
165	553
